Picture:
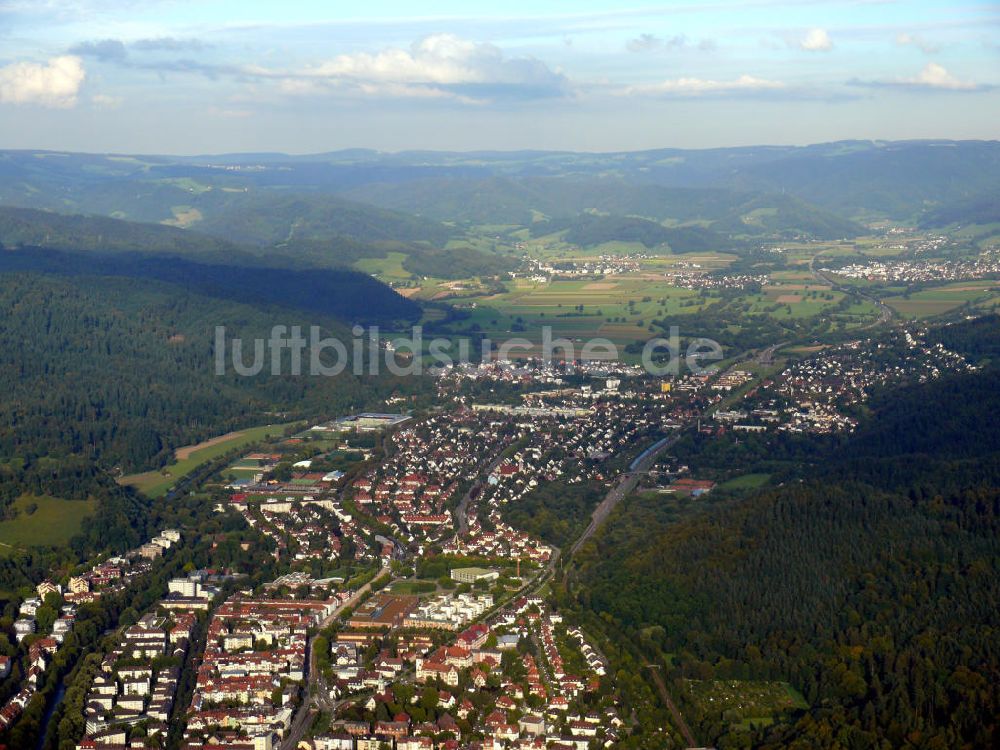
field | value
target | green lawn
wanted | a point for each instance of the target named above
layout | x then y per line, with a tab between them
157	483
410	587
53	522
388	268
746	482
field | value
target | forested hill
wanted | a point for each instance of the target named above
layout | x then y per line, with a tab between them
348	295
501	200
25	227
121	370
269	218
322	282
873	586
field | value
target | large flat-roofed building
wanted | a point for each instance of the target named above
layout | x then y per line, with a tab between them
471	575
368	421
383	611
374	421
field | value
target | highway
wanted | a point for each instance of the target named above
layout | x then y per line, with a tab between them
884	311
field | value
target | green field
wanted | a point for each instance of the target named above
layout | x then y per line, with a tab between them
411	587
53	522
157	483
746	482
619	308
389	268
939	300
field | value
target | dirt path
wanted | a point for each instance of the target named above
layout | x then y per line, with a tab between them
184	453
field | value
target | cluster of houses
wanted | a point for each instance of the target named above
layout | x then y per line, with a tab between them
250	674
812	395
307	527
915	271
532	371
410	489
448	611
115	574
36	661
137	682
105	577
703	280
542	271
504	700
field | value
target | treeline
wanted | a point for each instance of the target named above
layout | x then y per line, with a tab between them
588	230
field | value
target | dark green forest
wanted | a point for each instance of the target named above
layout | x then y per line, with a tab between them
122	371
870	582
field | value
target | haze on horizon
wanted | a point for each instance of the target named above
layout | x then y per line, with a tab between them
188	77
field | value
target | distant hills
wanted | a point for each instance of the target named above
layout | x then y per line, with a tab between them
54	244
337	208
521	201
590	230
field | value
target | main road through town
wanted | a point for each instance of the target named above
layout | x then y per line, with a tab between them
306	712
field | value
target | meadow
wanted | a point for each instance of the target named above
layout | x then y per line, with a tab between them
42	521
156	483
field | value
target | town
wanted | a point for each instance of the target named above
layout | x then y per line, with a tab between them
406	606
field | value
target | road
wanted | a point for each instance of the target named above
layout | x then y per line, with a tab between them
315	691
884	311
463	507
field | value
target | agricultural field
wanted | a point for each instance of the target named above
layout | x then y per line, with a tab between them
42	521
617	308
187	459
939	300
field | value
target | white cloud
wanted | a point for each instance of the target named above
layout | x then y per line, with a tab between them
440	64
651	42
52	84
106	101
695	86
904	39
816	40
934	76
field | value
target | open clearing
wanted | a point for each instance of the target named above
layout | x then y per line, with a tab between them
53	522
157	483
745	482
743	703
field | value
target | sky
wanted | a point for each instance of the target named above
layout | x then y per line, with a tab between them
212	76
